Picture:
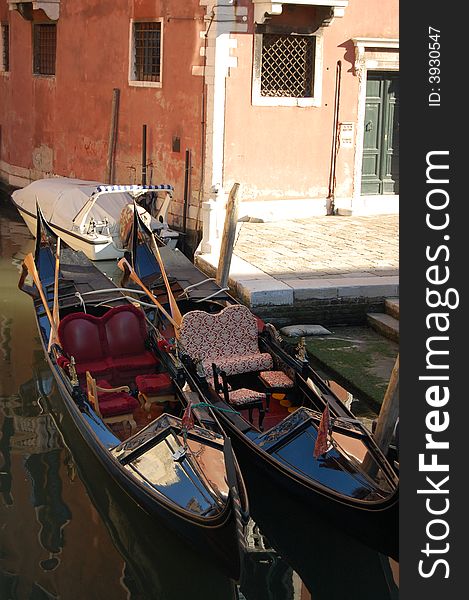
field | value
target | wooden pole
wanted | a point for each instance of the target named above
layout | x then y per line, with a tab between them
124	265
109	177
55	306
31	266
144	155
175	312
386	421
187	173
389	411
229	232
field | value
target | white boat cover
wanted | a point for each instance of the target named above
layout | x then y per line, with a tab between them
61	198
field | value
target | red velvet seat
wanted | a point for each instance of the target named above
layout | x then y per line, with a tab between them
159	383
81	336
113	406
115	403
125	332
154	388
111	347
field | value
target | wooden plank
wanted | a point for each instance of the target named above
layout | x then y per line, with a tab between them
229	232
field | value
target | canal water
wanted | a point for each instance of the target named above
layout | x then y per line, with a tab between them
67	532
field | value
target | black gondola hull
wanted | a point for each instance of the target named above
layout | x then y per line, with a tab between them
374	524
215	539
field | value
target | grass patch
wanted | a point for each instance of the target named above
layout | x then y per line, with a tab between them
358	359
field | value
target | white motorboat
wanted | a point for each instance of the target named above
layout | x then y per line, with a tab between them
94	217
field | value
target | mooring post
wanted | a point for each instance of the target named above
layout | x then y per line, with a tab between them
109	176
387	419
187	195
144	155
389	411
228	239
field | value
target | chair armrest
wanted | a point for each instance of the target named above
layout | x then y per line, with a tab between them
122	388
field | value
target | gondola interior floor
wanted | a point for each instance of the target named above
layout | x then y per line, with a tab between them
277	412
143	417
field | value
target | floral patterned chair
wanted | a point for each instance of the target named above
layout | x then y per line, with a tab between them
229	339
242	398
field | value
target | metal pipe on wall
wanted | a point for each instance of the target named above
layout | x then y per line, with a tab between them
335	141
144	155
187	195
187	170
109	175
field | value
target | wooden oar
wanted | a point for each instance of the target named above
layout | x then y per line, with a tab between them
123	264
172	300
31	266
55	307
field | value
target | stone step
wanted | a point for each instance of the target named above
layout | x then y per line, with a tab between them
391	307
384	324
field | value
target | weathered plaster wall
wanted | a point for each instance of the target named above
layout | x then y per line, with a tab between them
60	125
285	152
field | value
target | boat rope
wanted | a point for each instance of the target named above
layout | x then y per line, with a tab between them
189	287
129	298
80	298
113	291
223	289
184	293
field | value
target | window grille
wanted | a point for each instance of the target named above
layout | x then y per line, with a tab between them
5	47
288	65
147	51
45	43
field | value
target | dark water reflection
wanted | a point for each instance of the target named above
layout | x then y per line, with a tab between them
67	531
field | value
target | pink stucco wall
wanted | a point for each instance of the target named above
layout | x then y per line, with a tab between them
60	125
285	152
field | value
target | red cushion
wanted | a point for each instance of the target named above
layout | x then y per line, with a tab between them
82	337
142	362
115	403
97	368
159	383
125	331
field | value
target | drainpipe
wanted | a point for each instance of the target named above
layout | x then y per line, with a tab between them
335	141
144	155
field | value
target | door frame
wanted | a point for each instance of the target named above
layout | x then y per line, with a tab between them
371	54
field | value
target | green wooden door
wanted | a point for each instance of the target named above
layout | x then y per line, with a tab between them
380	169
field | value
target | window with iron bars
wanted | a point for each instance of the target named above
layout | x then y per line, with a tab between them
146	51
288	65
5	46
44	48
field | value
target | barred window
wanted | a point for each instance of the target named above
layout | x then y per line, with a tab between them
44	48
5	47
288	65
146	41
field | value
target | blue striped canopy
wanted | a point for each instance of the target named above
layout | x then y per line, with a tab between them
133	188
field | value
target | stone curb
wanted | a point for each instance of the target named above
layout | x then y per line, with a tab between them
257	288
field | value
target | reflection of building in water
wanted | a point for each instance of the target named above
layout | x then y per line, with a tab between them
266	575
34	436
51	511
6	433
5	337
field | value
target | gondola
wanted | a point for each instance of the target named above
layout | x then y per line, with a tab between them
152	554
99	342
272	403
